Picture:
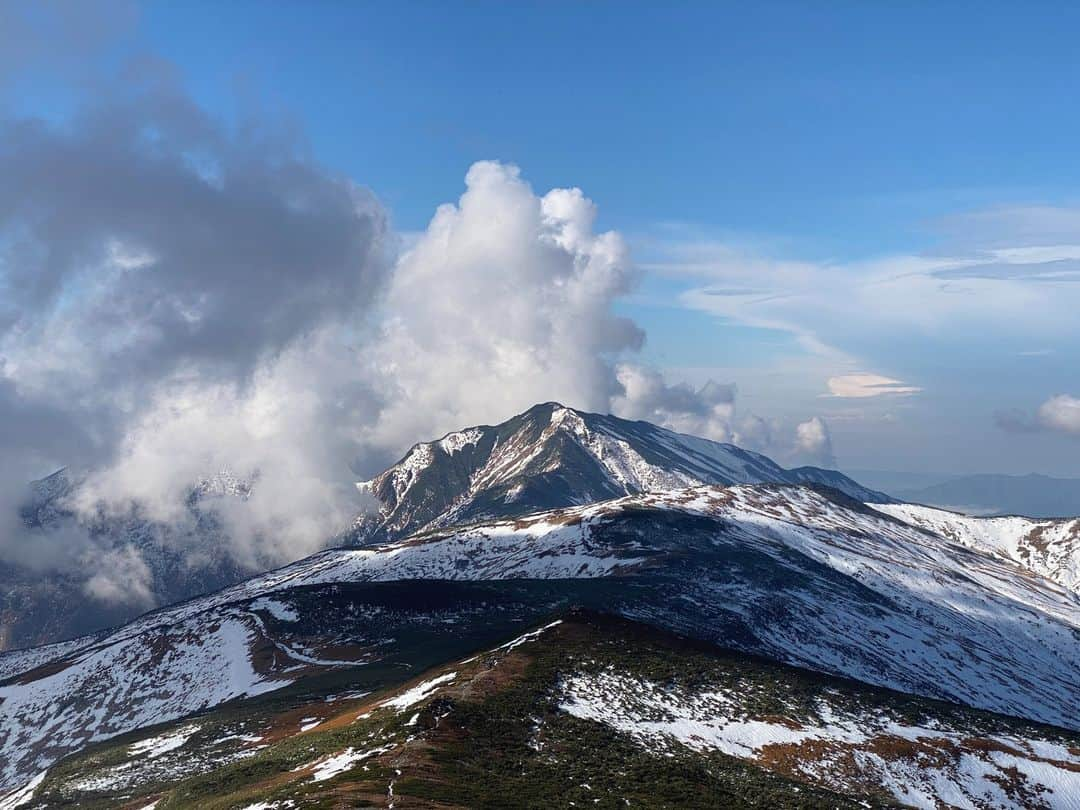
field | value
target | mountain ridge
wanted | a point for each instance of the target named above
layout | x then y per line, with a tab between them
584	458
551	456
804	576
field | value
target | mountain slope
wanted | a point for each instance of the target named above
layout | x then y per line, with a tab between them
182	560
1050	548
545	458
552	456
800	575
586	711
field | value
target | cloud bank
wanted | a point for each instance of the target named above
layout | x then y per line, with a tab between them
193	307
161	274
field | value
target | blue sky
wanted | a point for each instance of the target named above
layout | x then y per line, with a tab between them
813	192
846	127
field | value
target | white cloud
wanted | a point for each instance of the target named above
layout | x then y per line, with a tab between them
120	577
708	411
1024	289
861	386
813	442
506	299
1061	413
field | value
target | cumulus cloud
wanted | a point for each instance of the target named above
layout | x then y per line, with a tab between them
1060	414
507	299
190	304
707	411
813	442
504	301
145	239
169	285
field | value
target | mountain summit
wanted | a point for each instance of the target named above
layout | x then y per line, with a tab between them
552	456
548	457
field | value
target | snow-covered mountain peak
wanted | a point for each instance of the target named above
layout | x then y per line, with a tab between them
552	456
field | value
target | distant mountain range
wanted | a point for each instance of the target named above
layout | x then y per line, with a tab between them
1037	496
575	609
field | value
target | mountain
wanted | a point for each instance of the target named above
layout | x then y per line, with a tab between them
584	710
552	456
1037	496
892	481
571	608
1050	548
547	457
183	560
800	575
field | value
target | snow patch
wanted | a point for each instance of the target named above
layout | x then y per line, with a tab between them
279	610
338	764
971	772
19	797
419	692
527	637
154	747
453	442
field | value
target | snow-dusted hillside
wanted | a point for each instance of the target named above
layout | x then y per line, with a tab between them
1050	548
842	745
553	456
582	711
800	575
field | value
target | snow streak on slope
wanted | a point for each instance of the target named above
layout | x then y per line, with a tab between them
1047	547
847	748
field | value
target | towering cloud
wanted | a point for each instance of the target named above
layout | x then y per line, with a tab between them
187	302
161	272
505	301
813	442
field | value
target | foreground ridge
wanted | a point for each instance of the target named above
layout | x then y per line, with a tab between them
584	710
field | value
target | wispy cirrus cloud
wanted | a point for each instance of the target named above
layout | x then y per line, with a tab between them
827	305
993	278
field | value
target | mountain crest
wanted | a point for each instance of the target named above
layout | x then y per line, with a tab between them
553	456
